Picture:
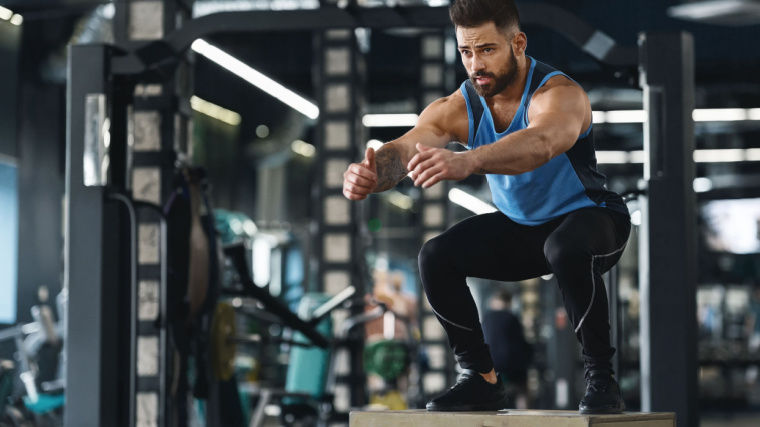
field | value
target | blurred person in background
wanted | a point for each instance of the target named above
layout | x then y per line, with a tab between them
510	352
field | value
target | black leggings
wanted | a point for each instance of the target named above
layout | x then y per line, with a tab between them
578	248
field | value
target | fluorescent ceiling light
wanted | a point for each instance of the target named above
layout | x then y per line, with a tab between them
207	7
719	114
619	157
753	113
727	12
303	148
612	157
5	13
470	202
374	144
17	19
400	200
614	116
707	9
215	111
598	117
698	115
725	155
702	184
752	154
636	156
626	116
719	156
389	120
293	100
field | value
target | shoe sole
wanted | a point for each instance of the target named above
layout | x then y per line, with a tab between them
480	407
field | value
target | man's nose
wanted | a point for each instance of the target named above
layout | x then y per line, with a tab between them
476	64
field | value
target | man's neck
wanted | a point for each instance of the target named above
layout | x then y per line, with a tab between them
513	92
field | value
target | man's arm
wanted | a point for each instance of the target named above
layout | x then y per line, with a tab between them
558	114
393	157
382	170
390	167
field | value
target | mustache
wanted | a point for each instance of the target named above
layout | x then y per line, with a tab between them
483	74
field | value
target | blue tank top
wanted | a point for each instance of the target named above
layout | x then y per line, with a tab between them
566	183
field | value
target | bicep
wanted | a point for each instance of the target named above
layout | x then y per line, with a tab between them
562	113
434	128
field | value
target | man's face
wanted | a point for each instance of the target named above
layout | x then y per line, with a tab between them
488	57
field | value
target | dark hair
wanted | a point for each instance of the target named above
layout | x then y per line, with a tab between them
473	13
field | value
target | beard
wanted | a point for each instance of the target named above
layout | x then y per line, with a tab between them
500	80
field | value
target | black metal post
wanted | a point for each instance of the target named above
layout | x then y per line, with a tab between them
668	229
92	260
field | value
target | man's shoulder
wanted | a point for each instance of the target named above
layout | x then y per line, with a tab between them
448	109
561	79
559	85
455	101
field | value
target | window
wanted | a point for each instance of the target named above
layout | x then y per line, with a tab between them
8	241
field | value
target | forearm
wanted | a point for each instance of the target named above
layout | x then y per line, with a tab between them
517	153
391	167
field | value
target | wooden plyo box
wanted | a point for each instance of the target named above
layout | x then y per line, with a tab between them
510	418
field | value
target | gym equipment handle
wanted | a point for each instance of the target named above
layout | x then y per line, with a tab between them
236	252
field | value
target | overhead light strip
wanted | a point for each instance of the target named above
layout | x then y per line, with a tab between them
726	155
389	120
290	98
720	114
5	14
470	202
303	148
207	7
400	200
8	15
212	110
613	116
728	12
698	115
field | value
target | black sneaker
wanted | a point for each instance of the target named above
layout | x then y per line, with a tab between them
471	393
602	394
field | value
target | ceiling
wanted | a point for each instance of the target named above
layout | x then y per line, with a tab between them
727	62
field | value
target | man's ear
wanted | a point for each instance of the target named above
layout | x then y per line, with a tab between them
519	43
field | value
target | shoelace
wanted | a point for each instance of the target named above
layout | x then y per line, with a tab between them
462	381
598	384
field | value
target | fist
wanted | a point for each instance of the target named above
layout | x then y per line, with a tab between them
360	179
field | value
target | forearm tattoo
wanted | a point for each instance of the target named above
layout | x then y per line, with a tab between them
390	170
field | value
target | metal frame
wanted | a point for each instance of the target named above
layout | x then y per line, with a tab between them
330	155
435	210
667	250
92	321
